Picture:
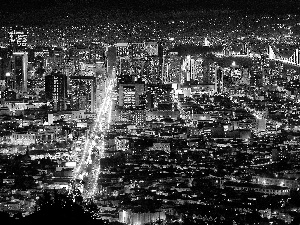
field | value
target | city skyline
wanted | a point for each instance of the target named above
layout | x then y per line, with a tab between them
157	112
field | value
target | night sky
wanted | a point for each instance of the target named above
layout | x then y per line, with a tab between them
41	12
16	6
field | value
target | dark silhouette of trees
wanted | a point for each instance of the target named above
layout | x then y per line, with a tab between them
57	208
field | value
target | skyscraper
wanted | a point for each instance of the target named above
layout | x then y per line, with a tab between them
83	93
219	80
56	90
19	71
192	70
130	95
171	72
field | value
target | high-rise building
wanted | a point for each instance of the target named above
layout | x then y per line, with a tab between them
56	90
192	70
171	71
209	72
159	96
122	49
83	93
130	95
17	79
219	75
97	52
123	70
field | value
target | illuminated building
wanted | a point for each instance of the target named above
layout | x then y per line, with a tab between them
124	71
43	53
152	48
17	78
143	50
147	69
55	60
153	70
206	42
256	76
56	90
209	72
134	116
171	68
83	93
159	96
245	49
23	138
130	217
18	39
192	70
219	74
130	95
139	61
96	53
122	49
289	181
137	50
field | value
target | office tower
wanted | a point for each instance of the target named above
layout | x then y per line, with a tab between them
18	78
83	93
122	68
56	90
171	68
146	62
122	49
97	52
219	75
153	70
57	59
159	96
124	71
209	72
192	69
163	99
42	55
187	68
137	50
147	69
198	76
131	96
